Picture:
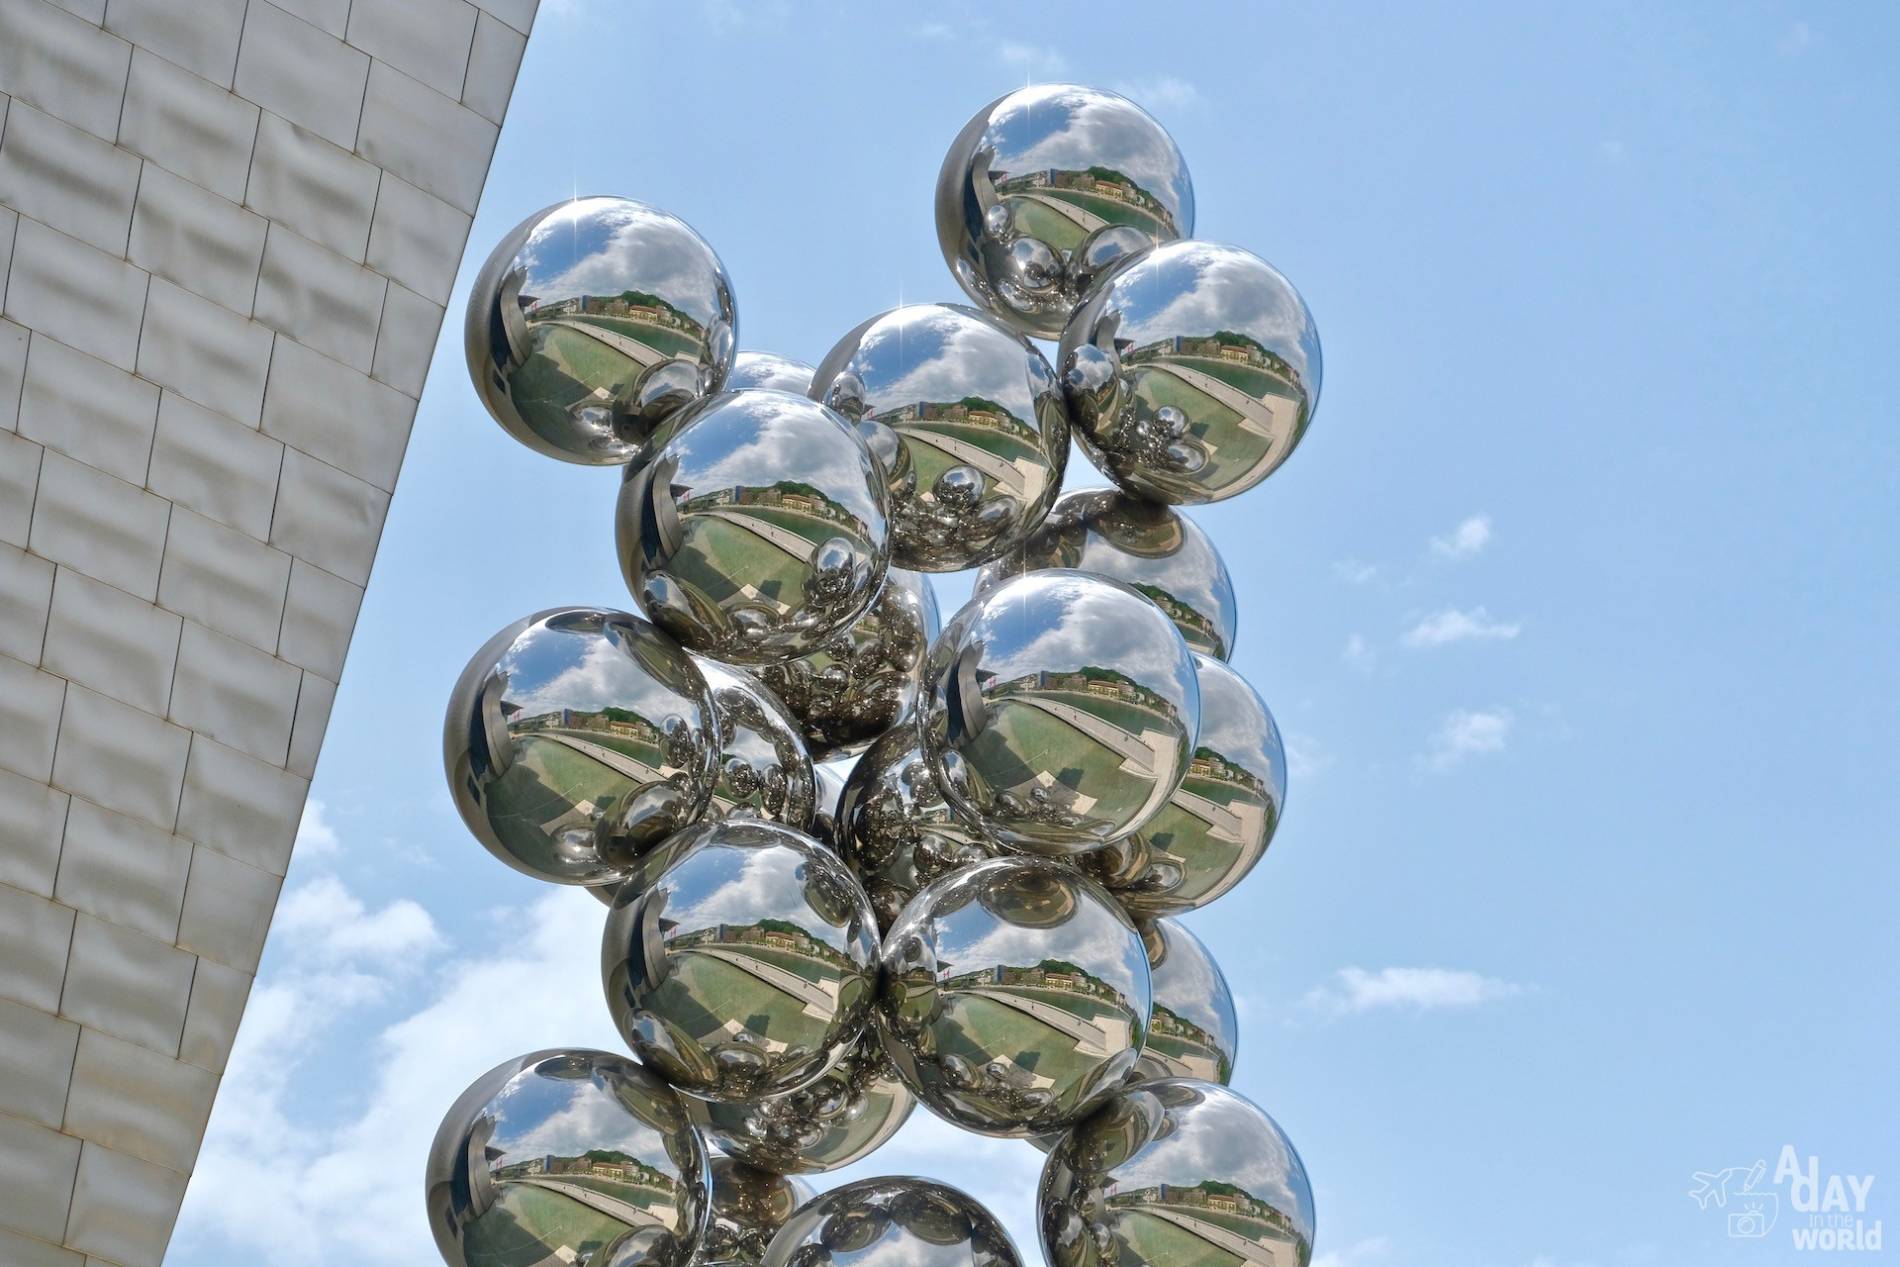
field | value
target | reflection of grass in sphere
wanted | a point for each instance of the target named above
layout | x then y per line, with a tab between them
527	1225
566	368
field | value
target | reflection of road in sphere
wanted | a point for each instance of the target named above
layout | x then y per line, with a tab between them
1170	1171
575	741
1193	1031
592	321
756	530
915	1222
747	966
555	1142
1015	996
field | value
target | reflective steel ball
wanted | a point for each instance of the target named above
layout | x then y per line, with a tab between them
824	823
1191	373
1219	821
594	320
1192	1032
1175	1163
893	1220
1048	187
769	369
1062	711
1015	996
896	831
748	1207
561	1152
1150	547
967	420
868	676
844	1116
756	531
747	966
764	769
576	740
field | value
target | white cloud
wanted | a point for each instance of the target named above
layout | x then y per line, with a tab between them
1359	654
932	31
1452	625
1160	92
329	924
1355	990
1359	1254
1038	61
1465	540
1306	757
1353	572
316	838
1466	733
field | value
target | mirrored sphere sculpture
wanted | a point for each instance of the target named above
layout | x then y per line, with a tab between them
896	831
1191	373
1193	1031
756	530
1152	548
1062	710
967	420
1178	1162
592	321
576	740
747	966
1014	997
1047	188
842	1117
748	1206
764	769
769	370
1219	821
824	823
567	1156
867	676
893	1220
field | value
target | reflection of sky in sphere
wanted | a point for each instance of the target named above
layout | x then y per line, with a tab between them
1067	128
730	883
537	1115
1235	724
603	246
1222	1138
1197	289
1189	984
940	353
757	439
1141	544
1061	621
769	369
584	668
978	935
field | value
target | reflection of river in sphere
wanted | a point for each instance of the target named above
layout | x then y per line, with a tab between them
915	1222
576	740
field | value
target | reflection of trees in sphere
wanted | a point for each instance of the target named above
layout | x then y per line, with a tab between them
1151	548
1015	996
1193	1031
866	679
1191	372
576	740
565	1120
592	321
1221	819
915	1222
747	966
764	770
1062	711
1170	1157
967	422
842	1117
748	1206
756	529
1048	187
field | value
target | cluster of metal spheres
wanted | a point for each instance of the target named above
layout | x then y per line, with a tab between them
979	919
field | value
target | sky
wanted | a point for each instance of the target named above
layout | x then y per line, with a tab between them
1576	605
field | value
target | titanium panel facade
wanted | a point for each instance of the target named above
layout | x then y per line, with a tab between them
228	230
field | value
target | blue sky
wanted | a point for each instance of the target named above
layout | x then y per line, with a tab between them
1577	604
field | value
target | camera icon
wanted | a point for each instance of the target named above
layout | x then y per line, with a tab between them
1756	1216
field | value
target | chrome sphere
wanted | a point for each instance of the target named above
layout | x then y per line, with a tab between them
867	677
576	740
967	420
1220	820
1191	373
1061	712
824	823
1152	548
896	831
747	966
756	530
748	1207
1015	996
844	1116
1172	1161
893	1220
1048	187
770	370
1193	1032
764	770
585	1129
592	321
